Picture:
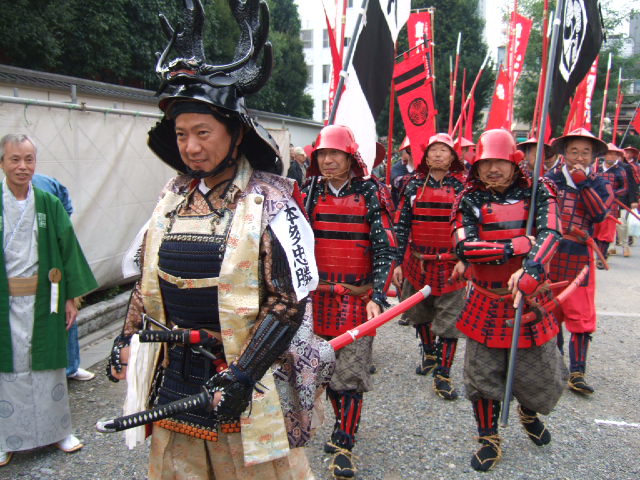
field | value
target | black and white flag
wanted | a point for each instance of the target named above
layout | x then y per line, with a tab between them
578	45
370	72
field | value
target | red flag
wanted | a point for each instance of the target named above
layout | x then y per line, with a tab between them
498	115
522	27
419	27
468	126
636	121
580	111
336	55
416	102
575	119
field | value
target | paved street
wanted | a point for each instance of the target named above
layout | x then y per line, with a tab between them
406	431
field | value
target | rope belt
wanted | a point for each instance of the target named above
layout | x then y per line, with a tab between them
344	288
188	282
23	286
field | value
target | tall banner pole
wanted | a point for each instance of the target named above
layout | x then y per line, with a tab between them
432	61
543	73
347	61
336	101
392	108
603	112
511	64
454	79
513	353
635	114
473	88
619	97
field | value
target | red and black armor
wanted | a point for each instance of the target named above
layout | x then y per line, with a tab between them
343	255
343	246
500	222
489	233
431	235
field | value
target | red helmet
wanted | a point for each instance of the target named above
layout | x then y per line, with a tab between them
498	144
445	139
338	137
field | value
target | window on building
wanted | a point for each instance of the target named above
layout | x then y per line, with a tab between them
307	38
325	38
324	108
347	41
350	3
309	74
326	73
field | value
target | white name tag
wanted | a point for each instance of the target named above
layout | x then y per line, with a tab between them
296	237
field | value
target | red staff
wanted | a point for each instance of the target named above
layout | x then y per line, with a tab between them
604	98
204	398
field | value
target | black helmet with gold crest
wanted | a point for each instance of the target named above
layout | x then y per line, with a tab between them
190	84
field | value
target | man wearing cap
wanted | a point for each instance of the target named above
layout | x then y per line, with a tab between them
468	152
611	169
227	261
355	250
426	257
505	265
583	200
529	147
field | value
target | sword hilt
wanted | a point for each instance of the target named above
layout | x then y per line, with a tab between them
193	402
170	336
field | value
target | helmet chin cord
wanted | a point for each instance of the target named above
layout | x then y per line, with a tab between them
228	161
339	176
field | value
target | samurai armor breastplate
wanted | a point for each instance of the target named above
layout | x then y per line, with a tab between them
610	175
572	211
431	235
189	261
343	255
500	222
486	313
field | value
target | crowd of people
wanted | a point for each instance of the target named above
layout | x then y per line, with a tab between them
253	274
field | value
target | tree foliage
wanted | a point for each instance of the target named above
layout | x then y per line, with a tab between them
116	41
450	18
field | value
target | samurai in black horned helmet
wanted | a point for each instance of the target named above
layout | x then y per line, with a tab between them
227	265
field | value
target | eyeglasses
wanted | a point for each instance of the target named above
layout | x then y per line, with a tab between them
588	155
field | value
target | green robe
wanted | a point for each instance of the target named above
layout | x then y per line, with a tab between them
58	247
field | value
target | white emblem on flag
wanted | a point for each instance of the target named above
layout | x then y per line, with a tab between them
573	34
296	237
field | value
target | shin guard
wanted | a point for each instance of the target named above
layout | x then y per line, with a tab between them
578	347
486	412
446	348
350	410
423	332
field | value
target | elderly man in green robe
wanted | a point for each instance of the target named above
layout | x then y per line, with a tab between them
43	270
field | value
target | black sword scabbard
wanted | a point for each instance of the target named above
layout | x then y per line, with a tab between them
193	402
